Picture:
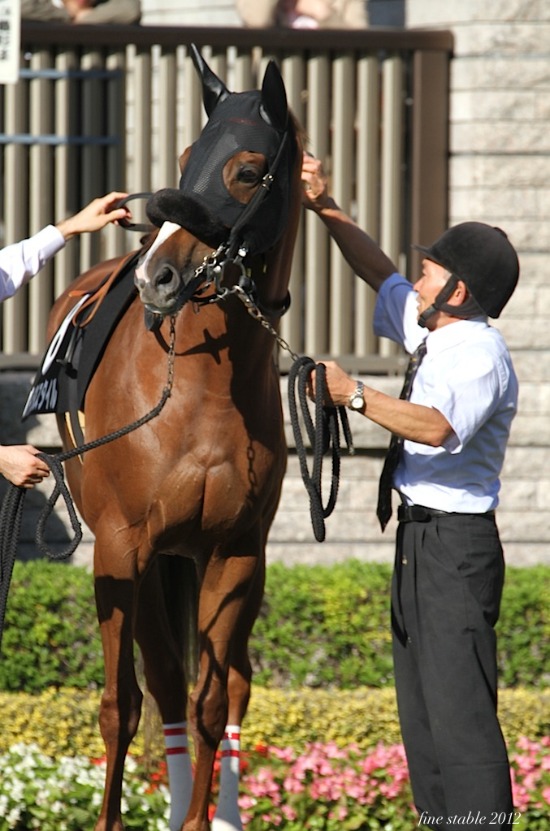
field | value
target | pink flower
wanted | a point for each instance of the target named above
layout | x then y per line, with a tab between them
292	785
289	813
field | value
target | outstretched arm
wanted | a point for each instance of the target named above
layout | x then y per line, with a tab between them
22	260
414	422
361	252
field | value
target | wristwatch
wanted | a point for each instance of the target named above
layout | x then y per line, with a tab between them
357	398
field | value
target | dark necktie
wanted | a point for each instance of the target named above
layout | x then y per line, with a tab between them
384	509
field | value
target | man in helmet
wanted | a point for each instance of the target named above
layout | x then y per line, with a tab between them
450	431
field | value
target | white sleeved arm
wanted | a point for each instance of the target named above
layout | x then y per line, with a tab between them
22	260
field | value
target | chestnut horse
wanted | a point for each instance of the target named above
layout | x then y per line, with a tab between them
181	507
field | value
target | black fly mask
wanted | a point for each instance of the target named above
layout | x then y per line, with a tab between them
256	121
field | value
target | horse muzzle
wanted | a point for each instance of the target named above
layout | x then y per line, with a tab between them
160	292
167	290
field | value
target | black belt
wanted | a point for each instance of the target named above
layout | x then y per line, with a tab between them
419	513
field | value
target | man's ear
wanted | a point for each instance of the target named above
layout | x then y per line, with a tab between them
459	295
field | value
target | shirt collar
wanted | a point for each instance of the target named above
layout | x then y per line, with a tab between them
454	333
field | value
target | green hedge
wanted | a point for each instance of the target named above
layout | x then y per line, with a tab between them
320	626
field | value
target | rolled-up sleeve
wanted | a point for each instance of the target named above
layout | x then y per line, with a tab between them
396	313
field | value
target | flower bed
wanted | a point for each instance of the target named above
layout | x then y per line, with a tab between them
323	788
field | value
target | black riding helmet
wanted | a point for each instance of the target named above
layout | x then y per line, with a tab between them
484	259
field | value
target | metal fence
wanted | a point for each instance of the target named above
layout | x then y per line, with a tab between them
103	108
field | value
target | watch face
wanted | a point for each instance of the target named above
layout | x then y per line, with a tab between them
357	401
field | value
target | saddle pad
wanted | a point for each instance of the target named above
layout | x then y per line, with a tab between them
74	352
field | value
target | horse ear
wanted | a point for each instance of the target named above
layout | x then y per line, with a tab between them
213	88
274	102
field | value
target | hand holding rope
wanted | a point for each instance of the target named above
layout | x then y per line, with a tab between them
323	436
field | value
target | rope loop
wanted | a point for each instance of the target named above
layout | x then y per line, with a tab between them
323	435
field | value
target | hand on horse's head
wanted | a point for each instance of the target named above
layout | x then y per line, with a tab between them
96	215
315	194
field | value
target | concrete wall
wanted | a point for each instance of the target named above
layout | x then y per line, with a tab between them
500	173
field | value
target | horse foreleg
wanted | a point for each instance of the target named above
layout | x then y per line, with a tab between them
227	816
224	595
121	701
180	773
162	648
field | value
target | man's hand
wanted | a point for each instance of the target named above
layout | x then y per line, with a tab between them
315	190
339	385
21	465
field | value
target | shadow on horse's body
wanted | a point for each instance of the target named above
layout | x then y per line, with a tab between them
202	480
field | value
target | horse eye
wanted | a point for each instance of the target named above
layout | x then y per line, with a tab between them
249	175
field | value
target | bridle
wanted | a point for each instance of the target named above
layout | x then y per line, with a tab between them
205	287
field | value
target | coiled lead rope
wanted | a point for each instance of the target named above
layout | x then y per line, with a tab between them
323	436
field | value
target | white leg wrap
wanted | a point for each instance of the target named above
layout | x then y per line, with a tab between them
180	774
227	817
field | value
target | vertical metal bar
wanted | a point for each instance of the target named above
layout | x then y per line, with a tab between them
368	179
430	150
392	172
114	241
218	63
341	276
167	149
317	239
142	88
66	264
243	76
293	71
92	175
193	112
42	208
14	311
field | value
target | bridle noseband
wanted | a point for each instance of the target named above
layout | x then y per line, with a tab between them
209	275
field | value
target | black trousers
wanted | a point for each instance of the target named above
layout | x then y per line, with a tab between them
446	593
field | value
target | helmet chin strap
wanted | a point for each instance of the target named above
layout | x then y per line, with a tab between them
440	302
470	307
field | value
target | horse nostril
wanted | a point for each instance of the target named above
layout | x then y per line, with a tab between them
165	276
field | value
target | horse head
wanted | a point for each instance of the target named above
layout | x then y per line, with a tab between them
234	194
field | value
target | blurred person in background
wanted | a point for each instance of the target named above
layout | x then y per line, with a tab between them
82	11
303	14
